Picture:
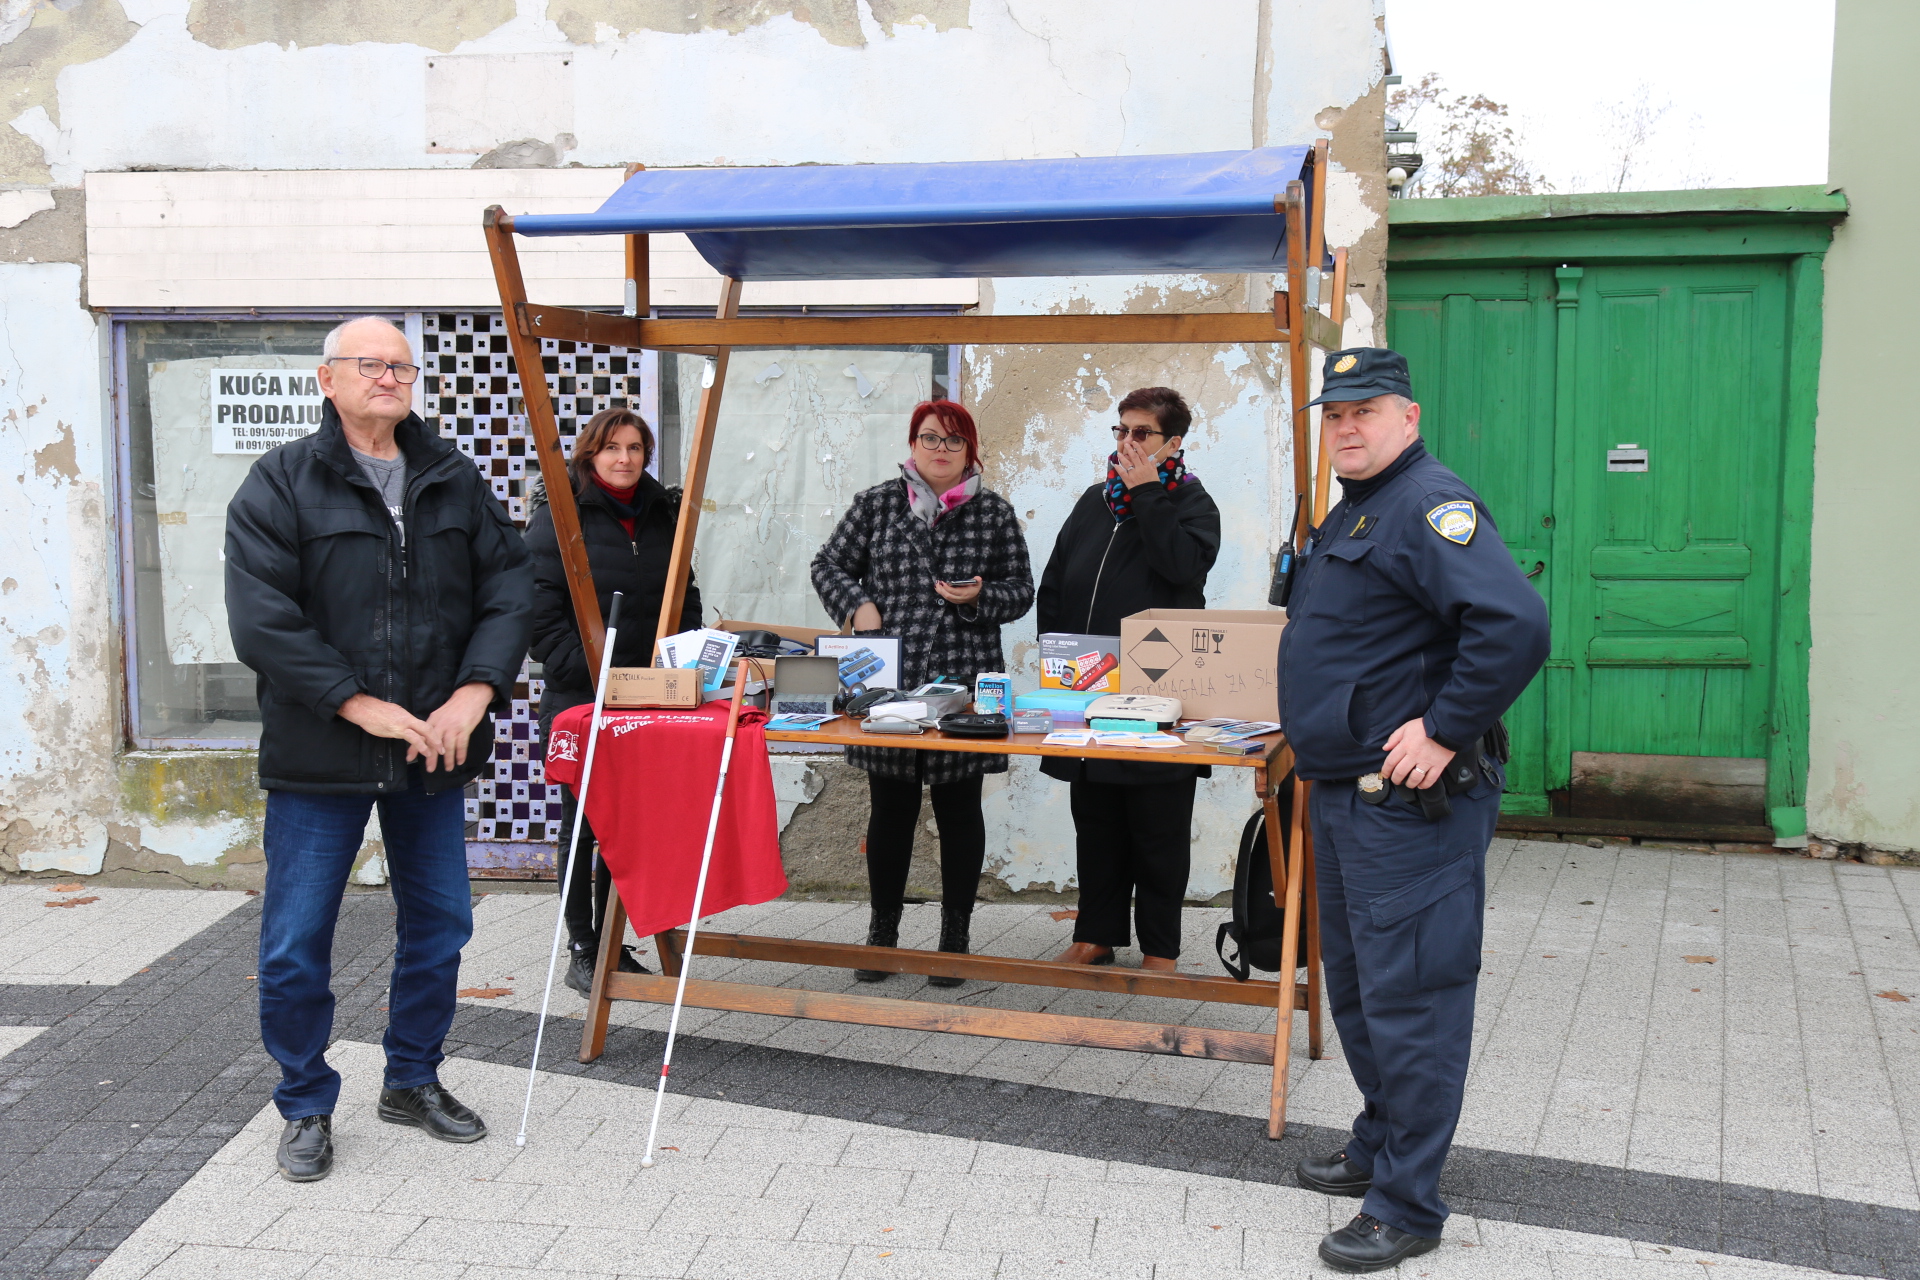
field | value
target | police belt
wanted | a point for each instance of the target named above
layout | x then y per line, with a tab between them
1462	773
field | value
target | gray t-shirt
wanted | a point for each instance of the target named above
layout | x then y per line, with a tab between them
389	476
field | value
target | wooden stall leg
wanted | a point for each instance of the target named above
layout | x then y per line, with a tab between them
1299	377
694	483
668	946
613	932
1310	921
546	435
1283	893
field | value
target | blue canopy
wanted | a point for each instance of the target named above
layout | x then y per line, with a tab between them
1115	215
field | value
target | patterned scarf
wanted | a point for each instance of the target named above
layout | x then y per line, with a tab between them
1173	474
930	508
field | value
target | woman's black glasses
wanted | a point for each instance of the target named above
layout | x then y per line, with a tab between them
952	444
1139	434
372	368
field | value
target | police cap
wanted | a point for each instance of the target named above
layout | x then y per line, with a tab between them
1361	373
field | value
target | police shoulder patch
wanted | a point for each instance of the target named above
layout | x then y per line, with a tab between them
1454	521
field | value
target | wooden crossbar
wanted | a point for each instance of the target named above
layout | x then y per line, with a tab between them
1036	973
961	1019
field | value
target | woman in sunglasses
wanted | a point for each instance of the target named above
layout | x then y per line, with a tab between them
1143	538
938	560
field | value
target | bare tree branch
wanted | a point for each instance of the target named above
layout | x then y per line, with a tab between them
1470	143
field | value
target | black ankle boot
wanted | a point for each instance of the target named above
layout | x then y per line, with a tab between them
955	923
883	930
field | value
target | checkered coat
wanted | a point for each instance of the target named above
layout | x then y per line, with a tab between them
881	552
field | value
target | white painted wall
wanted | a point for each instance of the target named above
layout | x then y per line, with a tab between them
1021	78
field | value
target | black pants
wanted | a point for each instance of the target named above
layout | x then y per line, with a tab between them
1132	846
895	811
587	895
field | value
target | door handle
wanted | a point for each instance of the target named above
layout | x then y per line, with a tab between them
1538	567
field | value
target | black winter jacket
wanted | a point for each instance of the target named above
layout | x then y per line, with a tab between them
1102	570
323	602
635	566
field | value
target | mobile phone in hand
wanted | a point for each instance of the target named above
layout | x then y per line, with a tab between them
966	582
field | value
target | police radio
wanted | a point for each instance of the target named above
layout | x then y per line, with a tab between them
1282	589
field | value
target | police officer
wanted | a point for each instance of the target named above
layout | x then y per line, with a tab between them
1409	632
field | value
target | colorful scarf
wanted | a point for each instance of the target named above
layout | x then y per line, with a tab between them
930	508
1173	474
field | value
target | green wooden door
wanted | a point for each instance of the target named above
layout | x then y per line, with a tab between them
1671	609
1660	582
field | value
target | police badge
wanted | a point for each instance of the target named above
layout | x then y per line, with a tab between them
1454	521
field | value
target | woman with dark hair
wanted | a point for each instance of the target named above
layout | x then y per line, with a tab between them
627	521
1143	538
938	560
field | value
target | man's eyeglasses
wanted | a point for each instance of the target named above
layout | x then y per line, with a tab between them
371	368
1140	434
952	444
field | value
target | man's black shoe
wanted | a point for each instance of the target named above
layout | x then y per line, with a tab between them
306	1149
430	1107
582	958
1368	1244
1333	1175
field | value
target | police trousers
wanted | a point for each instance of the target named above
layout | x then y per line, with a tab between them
1401	901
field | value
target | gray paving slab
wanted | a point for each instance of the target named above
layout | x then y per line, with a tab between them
98	936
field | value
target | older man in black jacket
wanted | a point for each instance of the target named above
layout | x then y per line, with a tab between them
377	588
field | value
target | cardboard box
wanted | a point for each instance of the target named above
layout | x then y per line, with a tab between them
1074	662
1218	662
653	687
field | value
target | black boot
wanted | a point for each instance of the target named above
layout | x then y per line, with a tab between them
883	930
583	957
955	923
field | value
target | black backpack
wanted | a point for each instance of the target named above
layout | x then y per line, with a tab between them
1257	927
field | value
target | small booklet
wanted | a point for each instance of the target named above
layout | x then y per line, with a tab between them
1222	729
1119	738
1067	738
799	723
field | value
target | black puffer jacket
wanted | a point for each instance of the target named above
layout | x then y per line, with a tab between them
1102	570
323	603
635	566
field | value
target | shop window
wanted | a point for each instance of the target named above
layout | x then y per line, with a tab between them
182	456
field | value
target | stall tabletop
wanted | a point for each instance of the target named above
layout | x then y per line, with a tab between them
844	732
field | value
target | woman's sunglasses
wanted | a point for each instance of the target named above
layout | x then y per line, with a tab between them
1140	434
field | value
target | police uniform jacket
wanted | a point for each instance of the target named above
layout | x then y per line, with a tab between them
1408	606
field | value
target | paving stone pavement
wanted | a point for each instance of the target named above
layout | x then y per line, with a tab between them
743	1190
87	935
120	1104
1705	1016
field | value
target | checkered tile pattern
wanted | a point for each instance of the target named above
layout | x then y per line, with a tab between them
473	399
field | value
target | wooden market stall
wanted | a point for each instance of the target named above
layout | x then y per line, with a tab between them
1257	212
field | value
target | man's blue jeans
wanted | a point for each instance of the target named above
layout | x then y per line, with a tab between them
311	842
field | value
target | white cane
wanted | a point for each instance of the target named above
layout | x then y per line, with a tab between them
693	925
573	857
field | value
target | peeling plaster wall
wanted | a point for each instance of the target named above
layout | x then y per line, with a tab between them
106	85
57	686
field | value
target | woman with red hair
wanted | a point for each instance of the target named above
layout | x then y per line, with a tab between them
938	560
